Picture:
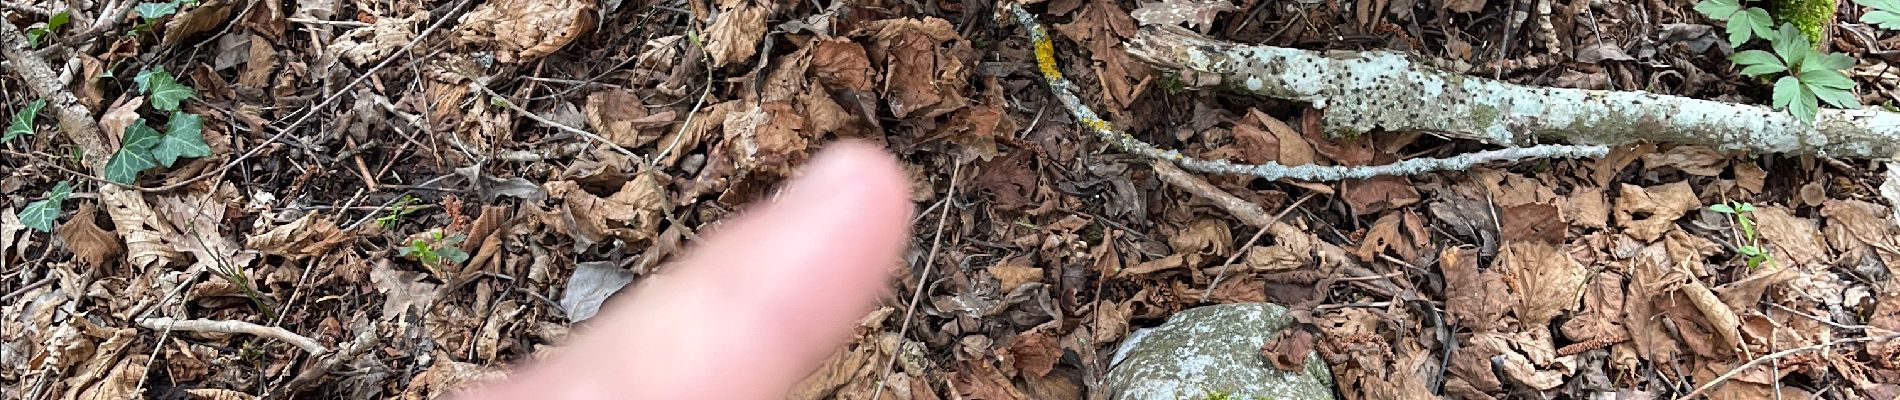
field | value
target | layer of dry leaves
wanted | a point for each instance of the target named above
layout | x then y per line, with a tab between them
1548	279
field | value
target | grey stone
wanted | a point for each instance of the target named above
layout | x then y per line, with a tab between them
1209	352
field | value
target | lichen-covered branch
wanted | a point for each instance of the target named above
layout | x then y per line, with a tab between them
1382	90
1064	92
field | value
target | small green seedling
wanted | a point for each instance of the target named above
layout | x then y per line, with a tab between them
438	249
39	31
1744	23
1808	75
397	213
1750	246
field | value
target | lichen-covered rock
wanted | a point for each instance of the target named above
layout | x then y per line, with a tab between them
1213	352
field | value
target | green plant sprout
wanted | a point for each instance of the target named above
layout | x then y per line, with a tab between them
40	30
1885	14
40	215
142	148
21	123
397	212
437	250
1809	75
1750	246
1744	23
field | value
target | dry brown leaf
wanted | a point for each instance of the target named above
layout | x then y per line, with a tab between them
620	116
633	213
1101	27
1647	213
196	218
1288	349
841	64
256	75
1750	177
1548	282
1368	196
1601	314
526	30
1173	261
122	382
1402	232
1262	138
841	368
372	43
1719	316
197	20
1034	353
1207	237
1464	6
767	138
218	394
1198	14
90	244
1475	299
926	65
1620	157
1694	160
1536	222
735	34
1585	207
311	235
1795	240
1863	231
145	235
978	379
1015	271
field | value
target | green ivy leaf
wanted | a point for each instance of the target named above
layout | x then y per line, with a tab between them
1757	62
152	11
22	121
183	138
166	92
40	215
134	155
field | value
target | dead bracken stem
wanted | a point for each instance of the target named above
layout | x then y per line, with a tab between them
229	326
922	279
1064	91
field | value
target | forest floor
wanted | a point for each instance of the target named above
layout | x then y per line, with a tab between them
431	191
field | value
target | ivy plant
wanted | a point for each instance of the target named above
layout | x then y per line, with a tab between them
22	121
1744	23
1807	77
1885	13
40	30
141	147
40	215
164	89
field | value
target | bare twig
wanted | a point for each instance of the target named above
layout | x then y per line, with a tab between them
916	296
232	326
505	102
1064	91
1777	356
365	340
1253	214
23	289
1218	276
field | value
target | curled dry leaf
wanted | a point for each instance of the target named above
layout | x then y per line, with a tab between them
926	64
525	30
90	244
1402	232
734	35
1795	240
145	234
1586	207
1863	231
1262	138
632	214
374	42
1693	160
841	64
1101	27
1548	282
1475	299
199	19
1014	272
620	116
311	235
768	137
1647	213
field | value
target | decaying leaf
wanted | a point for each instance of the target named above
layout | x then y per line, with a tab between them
1796	242
734	35
926	65
1646	213
1262	138
1548	282
620	116
309	236
1101	27
633	213
526	30
1014	272
1693	160
373	43
90	244
1475	299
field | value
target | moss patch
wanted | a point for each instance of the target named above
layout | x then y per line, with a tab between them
1811	17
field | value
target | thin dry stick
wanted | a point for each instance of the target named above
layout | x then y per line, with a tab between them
229	326
922	279
505	102
457	9
348	352
1218	276
1777	356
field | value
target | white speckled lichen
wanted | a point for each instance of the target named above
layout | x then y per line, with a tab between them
1381	90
